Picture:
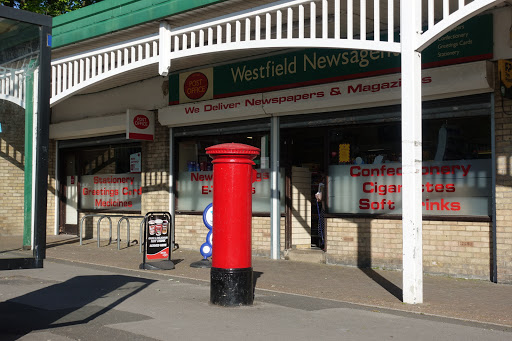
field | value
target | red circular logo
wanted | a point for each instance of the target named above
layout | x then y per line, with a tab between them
195	85
141	121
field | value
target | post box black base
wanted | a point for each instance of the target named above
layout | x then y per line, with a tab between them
231	287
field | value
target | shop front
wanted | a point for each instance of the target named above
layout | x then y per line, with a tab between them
98	177
327	121
102	176
340	149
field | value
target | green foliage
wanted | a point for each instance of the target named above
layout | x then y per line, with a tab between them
48	7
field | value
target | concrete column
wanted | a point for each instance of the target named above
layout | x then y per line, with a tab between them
275	207
410	30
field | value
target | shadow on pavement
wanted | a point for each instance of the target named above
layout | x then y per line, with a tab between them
383	282
364	259
74	302
56	243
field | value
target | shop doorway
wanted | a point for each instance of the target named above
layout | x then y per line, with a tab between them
303	152
68	194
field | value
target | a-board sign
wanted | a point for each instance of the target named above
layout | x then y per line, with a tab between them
157	237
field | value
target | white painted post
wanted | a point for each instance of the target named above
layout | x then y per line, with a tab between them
337	19
275	206
391	24
289	24
410	31
247	30
279	23
59	79
312	20
376	20
54	82
362	17
164	44
201	38
238	28
257	29
172	195
210	37
325	19
301	22
268	26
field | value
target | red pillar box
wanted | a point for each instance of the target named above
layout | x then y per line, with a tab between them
231	273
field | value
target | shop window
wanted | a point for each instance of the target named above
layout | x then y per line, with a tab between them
110	178
195	171
365	168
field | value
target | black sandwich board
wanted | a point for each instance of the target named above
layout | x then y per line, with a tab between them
157	250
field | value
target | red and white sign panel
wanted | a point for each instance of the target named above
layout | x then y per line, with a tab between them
140	125
196	85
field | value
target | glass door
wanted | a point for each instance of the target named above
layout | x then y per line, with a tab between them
68	194
303	152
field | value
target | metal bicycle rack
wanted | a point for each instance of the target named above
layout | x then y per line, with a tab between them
110	227
127	218
109	216
82	221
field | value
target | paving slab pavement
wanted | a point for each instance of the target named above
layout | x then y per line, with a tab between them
77	301
295	286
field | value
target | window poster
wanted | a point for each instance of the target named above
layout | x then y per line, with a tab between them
111	191
458	188
195	190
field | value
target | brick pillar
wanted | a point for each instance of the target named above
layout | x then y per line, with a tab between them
155	171
503	130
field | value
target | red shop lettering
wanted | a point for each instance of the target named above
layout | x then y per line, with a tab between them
366	204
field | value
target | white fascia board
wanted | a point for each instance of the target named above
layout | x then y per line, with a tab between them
442	82
89	127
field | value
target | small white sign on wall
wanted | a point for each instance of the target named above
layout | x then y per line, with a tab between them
135	163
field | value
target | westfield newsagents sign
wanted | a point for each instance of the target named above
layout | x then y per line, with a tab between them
467	42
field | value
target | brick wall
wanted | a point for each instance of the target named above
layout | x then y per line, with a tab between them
364	242
12	168
261	235
460	249
50	193
503	130
191	233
